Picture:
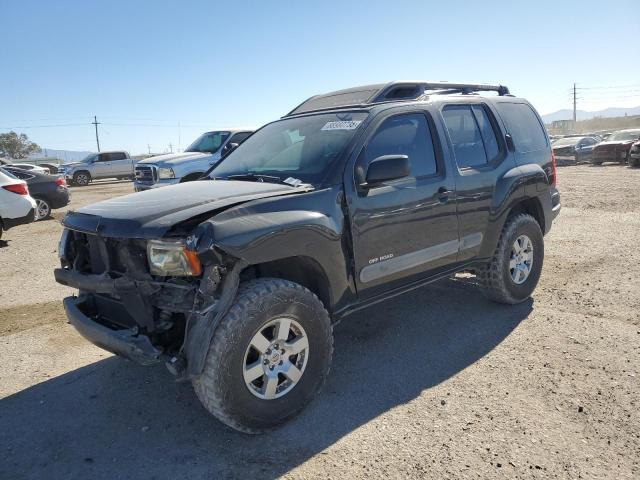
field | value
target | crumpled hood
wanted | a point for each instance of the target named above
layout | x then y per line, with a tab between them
171	158
150	214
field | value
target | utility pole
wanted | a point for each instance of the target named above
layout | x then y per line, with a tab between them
149	148
170	147
575	99
95	124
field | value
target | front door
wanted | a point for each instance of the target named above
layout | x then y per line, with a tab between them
102	166
406	229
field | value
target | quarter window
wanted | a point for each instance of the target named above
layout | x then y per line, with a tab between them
474	140
524	126
405	135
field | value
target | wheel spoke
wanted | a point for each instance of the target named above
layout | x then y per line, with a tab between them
512	264
270	387
298	345
253	371
282	329
260	342
293	373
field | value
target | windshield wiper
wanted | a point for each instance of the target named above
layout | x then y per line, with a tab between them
254	177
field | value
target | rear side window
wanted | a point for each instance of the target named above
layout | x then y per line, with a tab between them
405	135
472	135
524	126
118	156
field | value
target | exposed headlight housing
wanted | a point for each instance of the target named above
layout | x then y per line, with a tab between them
172	259
164	173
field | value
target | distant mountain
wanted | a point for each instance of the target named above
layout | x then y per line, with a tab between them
65	156
567	114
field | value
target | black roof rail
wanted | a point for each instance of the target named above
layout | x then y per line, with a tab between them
390	92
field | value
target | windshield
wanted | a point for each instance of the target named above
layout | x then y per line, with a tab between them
623	136
302	148
209	142
565	142
89	158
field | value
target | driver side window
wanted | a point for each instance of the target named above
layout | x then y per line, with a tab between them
409	135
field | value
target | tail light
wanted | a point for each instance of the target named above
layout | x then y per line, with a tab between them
554	177
19	188
61	182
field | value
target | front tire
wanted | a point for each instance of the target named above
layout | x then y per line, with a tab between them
268	358
81	179
512	274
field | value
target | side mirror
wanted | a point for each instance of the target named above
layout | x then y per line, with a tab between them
228	148
387	168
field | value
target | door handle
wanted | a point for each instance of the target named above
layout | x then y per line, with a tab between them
443	194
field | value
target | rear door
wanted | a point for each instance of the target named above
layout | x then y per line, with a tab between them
406	229
120	164
479	151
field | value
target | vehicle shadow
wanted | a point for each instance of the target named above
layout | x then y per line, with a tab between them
113	419
4	243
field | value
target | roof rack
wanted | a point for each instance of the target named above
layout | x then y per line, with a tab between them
390	92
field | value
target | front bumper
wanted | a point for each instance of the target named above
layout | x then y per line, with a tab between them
142	186
126	343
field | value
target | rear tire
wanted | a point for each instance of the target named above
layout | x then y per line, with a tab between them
509	277
634	162
235	384
43	209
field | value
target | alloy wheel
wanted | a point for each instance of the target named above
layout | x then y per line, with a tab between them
42	209
276	358
521	259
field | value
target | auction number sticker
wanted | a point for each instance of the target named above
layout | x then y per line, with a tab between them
342	125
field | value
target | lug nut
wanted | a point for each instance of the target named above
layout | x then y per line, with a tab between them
268	352
265	361
271	367
280	362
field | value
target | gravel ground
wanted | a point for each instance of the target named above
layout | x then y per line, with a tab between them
438	383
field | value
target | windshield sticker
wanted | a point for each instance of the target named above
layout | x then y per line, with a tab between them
343	125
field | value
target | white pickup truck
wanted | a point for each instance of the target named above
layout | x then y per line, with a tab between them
116	164
200	156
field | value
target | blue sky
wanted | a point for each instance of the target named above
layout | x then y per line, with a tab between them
143	67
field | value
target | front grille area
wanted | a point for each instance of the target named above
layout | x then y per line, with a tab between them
92	254
146	173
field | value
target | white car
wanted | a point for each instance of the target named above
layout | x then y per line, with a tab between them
16	205
28	166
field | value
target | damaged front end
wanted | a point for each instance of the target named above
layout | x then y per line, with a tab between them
148	300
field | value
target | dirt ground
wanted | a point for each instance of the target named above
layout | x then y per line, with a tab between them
438	383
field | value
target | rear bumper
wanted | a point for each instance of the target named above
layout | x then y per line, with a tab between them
60	198
8	223
125	343
556	205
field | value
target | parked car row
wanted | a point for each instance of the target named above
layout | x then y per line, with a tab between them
622	146
27	196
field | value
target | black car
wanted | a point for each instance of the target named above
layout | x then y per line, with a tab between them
49	191
356	196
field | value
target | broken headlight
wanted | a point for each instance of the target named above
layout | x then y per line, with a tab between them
172	259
